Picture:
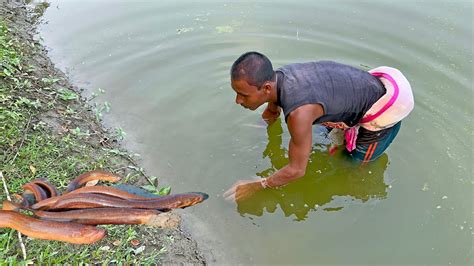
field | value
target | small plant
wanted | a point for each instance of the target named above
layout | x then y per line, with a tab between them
97	94
119	133
100	108
67	95
78	132
169	239
154	189
25	101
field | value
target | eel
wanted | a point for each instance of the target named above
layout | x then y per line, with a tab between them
51	230
44	204
39	193
101	216
47	186
135	190
26	199
104	190
111	191
105	216
11	206
164	203
91	176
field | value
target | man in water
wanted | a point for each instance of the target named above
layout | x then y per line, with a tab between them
368	106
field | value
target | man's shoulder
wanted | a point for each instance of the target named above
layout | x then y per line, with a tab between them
310	66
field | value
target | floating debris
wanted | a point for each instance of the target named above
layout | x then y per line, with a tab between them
444	197
438	207
184	30
224	29
425	187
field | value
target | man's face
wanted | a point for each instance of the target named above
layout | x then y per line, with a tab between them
248	96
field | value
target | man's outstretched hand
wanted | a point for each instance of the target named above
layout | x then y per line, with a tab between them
243	189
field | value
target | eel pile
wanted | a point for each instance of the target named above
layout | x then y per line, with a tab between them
72	216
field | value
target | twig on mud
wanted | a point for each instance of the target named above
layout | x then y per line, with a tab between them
138	169
23	249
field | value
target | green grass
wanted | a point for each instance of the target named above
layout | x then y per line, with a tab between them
30	149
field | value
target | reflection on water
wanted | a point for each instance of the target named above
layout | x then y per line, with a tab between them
330	183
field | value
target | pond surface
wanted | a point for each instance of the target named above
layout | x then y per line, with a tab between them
165	68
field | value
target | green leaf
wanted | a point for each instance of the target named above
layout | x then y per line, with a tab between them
164	191
67	95
7	73
149	188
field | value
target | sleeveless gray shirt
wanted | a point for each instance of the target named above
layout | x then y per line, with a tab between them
345	92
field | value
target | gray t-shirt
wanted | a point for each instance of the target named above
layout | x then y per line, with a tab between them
345	92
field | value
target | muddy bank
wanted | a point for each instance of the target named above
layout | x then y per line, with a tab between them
64	115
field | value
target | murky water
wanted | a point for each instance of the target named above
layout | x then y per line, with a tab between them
165	68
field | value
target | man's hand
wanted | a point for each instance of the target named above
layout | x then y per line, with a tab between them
243	189
270	116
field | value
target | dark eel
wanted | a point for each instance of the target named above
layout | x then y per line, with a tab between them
39	192
47	186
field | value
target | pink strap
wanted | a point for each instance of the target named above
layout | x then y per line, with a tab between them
369	118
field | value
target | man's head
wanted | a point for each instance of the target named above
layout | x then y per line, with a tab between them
252	78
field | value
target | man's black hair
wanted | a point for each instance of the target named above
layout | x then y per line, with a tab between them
253	67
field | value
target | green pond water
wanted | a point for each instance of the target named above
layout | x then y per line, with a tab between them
165	68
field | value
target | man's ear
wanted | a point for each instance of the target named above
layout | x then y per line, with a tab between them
267	87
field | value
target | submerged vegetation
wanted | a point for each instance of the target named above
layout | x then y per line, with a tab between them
47	130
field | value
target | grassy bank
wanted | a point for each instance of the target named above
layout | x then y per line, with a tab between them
48	131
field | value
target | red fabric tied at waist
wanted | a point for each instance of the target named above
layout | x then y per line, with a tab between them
350	135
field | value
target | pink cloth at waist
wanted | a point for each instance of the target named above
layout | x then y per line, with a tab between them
350	134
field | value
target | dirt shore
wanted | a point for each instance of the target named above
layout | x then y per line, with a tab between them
59	121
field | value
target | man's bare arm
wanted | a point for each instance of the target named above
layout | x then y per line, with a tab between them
300	123
300	126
